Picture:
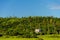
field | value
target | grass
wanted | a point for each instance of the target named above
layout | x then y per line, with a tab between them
18	38
50	37
44	37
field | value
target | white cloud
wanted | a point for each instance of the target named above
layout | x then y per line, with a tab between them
54	6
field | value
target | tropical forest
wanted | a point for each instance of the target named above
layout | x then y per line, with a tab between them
24	27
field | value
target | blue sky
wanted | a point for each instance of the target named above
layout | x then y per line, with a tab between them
21	8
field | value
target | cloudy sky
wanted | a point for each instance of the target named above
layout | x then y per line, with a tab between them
21	8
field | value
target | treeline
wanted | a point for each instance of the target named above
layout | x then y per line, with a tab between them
25	26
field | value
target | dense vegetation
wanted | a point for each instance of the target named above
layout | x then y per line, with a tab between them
25	26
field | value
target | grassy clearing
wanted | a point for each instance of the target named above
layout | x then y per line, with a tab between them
44	37
50	37
18	38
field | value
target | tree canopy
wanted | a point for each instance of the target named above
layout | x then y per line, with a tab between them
25	26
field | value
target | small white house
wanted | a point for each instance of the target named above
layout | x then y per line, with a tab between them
37	30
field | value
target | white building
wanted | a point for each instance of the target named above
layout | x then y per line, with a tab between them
37	30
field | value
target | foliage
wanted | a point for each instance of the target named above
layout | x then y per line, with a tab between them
25	26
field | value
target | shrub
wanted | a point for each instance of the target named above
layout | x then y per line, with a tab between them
7	36
39	39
